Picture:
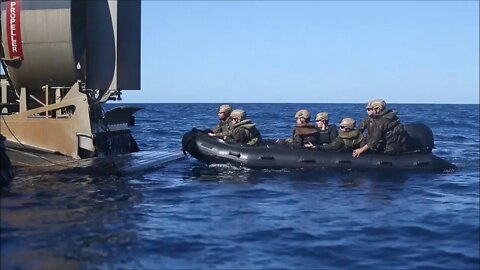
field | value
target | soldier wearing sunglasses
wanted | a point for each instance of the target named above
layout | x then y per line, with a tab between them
224	127
244	130
326	133
348	138
304	134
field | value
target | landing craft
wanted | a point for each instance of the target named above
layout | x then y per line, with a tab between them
63	60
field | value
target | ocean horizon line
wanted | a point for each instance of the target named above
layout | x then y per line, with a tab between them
226	102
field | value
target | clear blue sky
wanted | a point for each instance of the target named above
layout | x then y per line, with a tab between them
313	51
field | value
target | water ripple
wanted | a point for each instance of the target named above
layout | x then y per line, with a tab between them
192	216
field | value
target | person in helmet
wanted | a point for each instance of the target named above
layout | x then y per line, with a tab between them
326	133
223	128
304	133
244	130
366	123
386	134
348	138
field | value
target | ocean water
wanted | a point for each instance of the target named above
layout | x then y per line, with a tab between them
188	215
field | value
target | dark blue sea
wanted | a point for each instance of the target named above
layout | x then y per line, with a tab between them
188	215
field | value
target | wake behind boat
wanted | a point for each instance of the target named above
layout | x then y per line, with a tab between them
272	155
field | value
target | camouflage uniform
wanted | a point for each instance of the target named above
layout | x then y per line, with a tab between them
223	128
366	124
244	132
387	134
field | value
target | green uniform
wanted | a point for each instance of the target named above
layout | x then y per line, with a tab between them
387	134
244	132
366	124
223	128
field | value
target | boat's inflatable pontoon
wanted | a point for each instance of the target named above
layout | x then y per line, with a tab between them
272	155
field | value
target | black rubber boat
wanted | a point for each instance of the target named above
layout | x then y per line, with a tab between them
271	155
6	173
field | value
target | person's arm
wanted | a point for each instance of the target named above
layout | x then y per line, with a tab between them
333	133
215	131
223	134
362	125
335	145
310	139
296	139
357	152
373	140
237	136
309	145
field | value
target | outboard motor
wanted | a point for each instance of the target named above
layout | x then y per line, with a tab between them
420	138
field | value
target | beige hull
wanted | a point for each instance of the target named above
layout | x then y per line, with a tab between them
61	127
62	61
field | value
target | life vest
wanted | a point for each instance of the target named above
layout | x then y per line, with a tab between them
252	134
351	139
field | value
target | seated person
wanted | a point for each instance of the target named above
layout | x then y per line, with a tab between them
386	134
348	138
366	123
304	133
326	133
223	127
243	130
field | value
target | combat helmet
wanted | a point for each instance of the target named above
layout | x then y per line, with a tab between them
321	116
376	103
348	123
303	113
240	114
225	109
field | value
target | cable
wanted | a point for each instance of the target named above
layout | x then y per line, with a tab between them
44	158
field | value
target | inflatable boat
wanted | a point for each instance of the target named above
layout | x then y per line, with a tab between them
272	155
6	173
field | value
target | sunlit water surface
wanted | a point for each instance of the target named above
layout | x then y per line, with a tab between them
189	215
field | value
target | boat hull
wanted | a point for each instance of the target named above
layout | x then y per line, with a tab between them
276	156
